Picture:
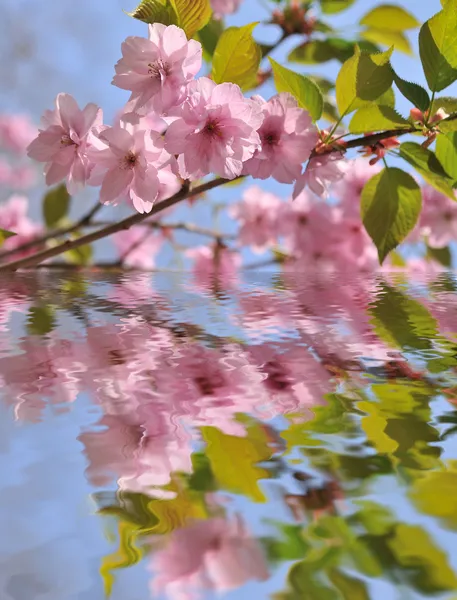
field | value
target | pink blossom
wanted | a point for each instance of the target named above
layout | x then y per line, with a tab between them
215	554
438	220
16	132
127	161
225	7
63	141
349	189
214	266
287	136
258	217
156	70
320	173
13	217
138	246
216	131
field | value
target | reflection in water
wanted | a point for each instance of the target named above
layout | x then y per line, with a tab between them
285	440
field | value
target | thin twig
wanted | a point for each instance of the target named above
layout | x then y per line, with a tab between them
135	219
85	221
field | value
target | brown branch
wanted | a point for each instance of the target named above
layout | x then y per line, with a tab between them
135	219
85	221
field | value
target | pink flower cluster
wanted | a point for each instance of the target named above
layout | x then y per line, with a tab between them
16	133
173	126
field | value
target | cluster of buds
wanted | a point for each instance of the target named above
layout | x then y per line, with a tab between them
430	123
294	19
379	149
328	143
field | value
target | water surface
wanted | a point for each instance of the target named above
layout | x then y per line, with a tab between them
275	437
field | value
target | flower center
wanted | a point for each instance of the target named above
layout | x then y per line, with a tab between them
66	140
270	138
159	69
129	161
212	129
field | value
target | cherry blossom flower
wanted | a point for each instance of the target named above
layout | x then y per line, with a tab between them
216	131
16	132
156	70
258	216
349	189
138	246
225	7
63	141
320	173
13	217
438	220
127	161
216	554
288	137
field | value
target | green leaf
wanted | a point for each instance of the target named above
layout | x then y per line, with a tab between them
304	90
320	51
209	36
56	204
442	255
446	152
79	256
376	118
397	39
4	235
192	15
437	48
364	77
155	11
434	493
331	7
330	112
426	163
40	319
391	17
390	205
233	460
413	92
237	56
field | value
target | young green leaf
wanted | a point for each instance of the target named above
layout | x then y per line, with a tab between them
4	235
387	37
362	78
237	56
426	163
413	92
376	118
306	92
450	106
155	11
331	7
390	205
192	15
391	17
446	152
209	36
56	204
437	48
320	51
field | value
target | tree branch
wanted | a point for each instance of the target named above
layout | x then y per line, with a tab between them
135	219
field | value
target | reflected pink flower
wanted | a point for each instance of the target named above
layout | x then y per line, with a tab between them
225	7
320	173
214	265
16	132
287	136
216	131
63	141
258	217
438	220
216	554
138	246
156	70
13	217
